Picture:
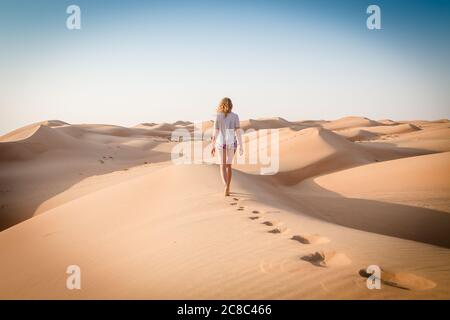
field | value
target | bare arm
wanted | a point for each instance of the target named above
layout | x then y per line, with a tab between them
213	138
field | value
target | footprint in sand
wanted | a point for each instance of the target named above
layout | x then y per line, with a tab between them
402	280
271	223
327	259
253	218
310	239
235	199
233	203
255	211
279	229
240	209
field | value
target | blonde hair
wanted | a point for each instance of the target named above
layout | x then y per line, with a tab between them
225	106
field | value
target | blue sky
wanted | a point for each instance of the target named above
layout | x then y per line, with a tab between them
157	61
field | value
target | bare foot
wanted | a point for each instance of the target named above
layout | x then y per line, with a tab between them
227	192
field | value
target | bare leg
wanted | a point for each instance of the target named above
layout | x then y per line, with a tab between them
229	173
229	158
223	167
223	173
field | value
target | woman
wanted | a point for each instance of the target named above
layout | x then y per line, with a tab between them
226	129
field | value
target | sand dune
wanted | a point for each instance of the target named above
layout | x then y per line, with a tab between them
38	140
182	123
427	176
163	127
27	131
407	198
49	159
374	132
431	138
314	151
388	122
145	125
266	123
107	199
350	122
164	130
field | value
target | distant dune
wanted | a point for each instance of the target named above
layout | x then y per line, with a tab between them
312	151
349	193
27	131
350	122
374	132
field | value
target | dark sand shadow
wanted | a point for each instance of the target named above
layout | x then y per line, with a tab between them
396	220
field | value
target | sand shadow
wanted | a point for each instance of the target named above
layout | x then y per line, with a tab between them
19	202
396	220
391	219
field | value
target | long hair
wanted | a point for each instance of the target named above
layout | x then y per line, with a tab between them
225	106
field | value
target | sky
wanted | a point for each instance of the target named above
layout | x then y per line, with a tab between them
163	61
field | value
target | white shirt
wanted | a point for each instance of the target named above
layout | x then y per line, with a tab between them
226	126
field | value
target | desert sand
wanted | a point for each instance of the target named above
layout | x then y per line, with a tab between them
349	193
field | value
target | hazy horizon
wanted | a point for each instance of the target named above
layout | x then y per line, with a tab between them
163	61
